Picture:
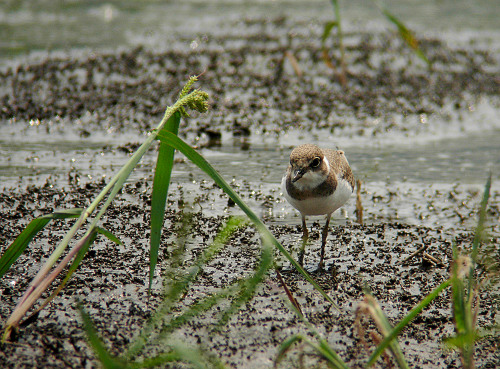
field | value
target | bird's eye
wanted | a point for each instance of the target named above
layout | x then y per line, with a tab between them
316	162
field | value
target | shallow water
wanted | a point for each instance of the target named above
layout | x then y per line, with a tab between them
43	25
35	156
462	152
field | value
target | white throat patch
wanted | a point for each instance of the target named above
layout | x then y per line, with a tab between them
312	179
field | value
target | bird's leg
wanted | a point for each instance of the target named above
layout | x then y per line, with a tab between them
324	234
305	236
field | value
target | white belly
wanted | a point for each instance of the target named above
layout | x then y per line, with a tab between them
321	205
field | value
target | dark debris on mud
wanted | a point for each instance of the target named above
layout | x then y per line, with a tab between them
128	90
112	285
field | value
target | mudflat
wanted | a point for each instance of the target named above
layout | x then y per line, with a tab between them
255	94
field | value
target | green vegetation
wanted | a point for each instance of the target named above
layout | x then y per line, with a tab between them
464	303
167	319
405	34
166	133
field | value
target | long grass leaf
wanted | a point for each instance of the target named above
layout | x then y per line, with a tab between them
326	351
197	159
161	182
406	320
181	285
406	35
458	297
78	259
110	236
74	265
479	233
220	240
22	241
194	100
195	357
106	359
249	285
285	346
321	349
385	328
326	32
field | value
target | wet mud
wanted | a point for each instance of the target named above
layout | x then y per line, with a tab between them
254	91
252	85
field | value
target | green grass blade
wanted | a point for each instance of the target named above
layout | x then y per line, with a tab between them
22	241
195	357
406	35
178	287
249	285
156	361
385	328
74	265
322	349
106	359
327	30
110	236
406	320
220	240
197	159
479	233
286	345
327	352
458	295
161	182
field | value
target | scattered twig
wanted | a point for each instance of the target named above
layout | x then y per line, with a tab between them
292	299
295	64
359	206
287	54
432	259
419	251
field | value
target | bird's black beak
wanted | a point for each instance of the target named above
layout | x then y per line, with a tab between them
297	174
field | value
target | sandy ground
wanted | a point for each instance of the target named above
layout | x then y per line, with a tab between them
252	93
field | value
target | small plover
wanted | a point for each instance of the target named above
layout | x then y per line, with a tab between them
317	182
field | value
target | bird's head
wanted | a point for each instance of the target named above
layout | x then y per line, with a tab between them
308	166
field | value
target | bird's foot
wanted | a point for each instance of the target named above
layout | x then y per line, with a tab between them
320	269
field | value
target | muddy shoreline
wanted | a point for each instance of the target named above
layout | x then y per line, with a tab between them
118	93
